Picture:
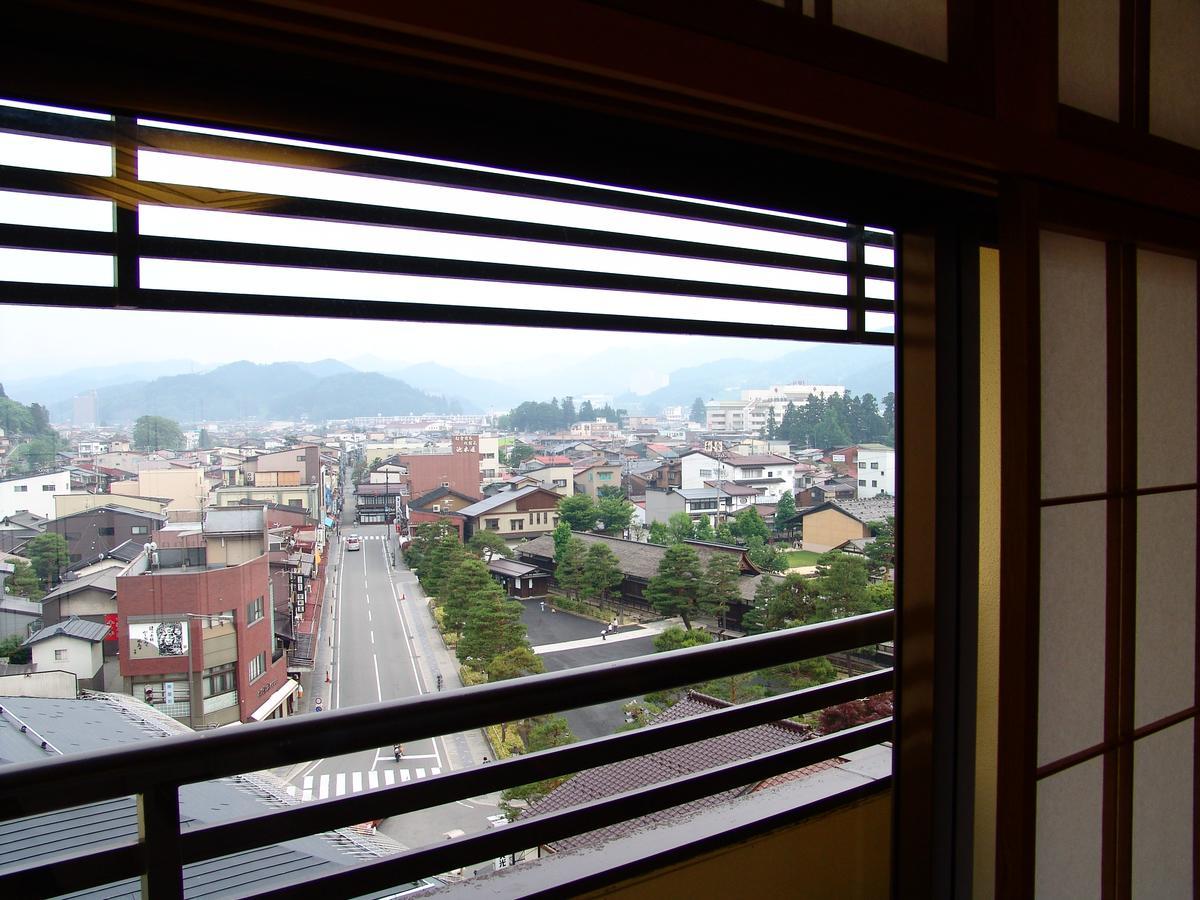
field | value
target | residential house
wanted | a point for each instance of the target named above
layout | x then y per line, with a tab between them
305	497
387	473
79	501
440	503
553	476
769	474
32	493
639	563
428	471
20	527
836	521
514	515
876	470
380	503
713	503
601	429
843	460
831	489
92	532
186	488
590	476
521	581
73	645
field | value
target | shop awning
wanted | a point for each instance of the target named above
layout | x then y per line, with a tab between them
275	700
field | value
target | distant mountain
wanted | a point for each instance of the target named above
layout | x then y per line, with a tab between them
861	369
51	389
474	395
244	390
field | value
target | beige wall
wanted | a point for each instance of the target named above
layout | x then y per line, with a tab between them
84	658
185	488
233	550
220	646
51	685
590	482
88	602
547	476
69	504
304	493
828	528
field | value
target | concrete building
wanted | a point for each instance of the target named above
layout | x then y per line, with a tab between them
753	410
75	646
94	531
32	493
85	410
769	474
591	476
876	472
185	488
833	523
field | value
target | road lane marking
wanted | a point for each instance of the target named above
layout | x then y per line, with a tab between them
411	655
369	619
341	784
356	782
420	773
323	790
435	771
405	775
372	633
389	777
378	688
372	779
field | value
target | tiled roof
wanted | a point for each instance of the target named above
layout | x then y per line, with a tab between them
735	488
104	580
436	494
666	765
490	503
759	459
72	627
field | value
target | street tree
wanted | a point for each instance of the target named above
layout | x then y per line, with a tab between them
48	554
515	663
703	530
568	571
676	587
562	536
444	558
460	588
614	514
772	426
659	533
719	585
487	544
547	732
36	454
601	572
157	433
681	528
493	627
578	511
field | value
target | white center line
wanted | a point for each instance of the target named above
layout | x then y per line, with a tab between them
378	685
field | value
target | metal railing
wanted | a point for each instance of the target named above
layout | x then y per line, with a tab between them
154	771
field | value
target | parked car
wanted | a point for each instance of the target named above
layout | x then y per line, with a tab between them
353	542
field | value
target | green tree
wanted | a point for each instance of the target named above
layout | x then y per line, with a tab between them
15	418
548	732
515	663
461	588
48	553
676	638
601	572
881	552
205	439
615	514
562	536
764	556
698	413
747	524
444	557
23	582
659	533
785	511
578	511
681	528
37	454
676	587
11	649
493	627
703	530
720	586
772	426
487	544
157	433
841	586
725	534
569	569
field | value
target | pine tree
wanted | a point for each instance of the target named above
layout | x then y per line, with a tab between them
674	590
720	586
493	627
461	588
601	572
698	411
569	571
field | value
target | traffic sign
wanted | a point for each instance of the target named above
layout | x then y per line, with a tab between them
317	704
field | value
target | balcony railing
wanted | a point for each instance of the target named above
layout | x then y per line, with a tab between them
153	772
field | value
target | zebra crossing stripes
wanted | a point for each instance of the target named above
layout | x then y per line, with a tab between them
371	537
322	787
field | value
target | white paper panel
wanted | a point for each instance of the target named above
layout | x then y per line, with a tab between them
1074	365
1071	630
1165	648
1166	368
1069	807
1163	835
918	25
1089	56
1175	70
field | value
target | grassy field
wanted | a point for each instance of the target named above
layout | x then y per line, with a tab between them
801	558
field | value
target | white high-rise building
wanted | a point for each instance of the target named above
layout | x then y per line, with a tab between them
752	411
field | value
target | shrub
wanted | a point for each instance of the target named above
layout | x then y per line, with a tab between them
472	676
507	746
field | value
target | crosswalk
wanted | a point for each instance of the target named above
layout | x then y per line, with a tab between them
322	787
369	537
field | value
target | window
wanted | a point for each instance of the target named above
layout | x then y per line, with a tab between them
140	529
862	465
220	679
606	476
20	488
107	532
254	611
862	482
491	524
299	503
49	487
706	473
258	665
874	483
516	525
874	465
300	457
560	482
60	654
71	535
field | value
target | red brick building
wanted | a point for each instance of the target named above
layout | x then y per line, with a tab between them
164	626
427	471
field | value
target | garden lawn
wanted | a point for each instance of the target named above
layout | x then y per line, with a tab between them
801	558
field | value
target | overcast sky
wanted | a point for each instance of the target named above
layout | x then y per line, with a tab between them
36	341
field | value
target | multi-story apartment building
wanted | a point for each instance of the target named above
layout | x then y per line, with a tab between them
93	532
769	474
876	470
753	410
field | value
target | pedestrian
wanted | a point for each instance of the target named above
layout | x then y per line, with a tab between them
542	604
604	635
